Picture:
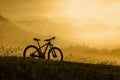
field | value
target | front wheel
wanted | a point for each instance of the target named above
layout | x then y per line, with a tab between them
55	54
31	51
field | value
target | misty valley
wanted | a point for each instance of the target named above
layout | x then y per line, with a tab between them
75	53
13	40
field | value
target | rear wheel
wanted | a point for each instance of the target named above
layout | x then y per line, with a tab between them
31	51
55	54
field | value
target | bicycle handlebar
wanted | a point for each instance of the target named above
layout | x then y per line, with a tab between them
36	39
50	39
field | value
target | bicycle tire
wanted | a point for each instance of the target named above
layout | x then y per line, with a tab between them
28	47
60	53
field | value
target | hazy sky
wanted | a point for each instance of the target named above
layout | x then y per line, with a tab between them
27	7
85	11
95	21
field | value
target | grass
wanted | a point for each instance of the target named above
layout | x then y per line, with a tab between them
16	68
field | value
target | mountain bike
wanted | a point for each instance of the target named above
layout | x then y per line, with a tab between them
54	53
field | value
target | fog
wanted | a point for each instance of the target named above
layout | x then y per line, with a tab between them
95	23
84	29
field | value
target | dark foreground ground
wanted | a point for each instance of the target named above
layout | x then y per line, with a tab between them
13	68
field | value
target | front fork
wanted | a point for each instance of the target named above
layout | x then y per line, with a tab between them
53	51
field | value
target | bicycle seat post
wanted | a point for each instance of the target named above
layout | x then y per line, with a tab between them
36	39
38	44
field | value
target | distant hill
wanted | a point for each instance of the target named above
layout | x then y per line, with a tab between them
10	31
2	19
47	28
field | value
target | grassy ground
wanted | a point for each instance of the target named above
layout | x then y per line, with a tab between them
14	68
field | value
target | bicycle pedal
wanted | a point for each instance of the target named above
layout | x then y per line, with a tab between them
42	56
32	55
54	55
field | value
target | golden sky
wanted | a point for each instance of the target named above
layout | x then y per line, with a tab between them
94	21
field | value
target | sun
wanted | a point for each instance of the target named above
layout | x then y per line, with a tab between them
76	9
79	10
72	10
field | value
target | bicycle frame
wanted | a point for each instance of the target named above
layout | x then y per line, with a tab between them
48	44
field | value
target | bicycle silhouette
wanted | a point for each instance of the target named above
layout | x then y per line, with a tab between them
54	53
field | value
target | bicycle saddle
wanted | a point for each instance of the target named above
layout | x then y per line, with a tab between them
50	39
36	39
